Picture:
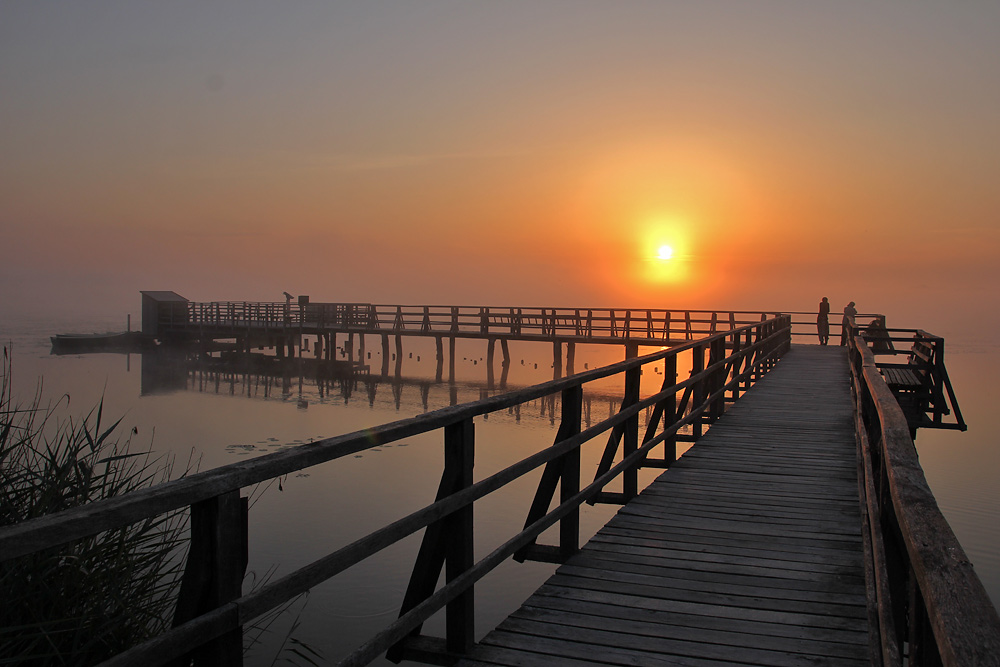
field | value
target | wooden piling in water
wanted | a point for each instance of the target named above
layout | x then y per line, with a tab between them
385	355
399	354
451	359
491	345
439	358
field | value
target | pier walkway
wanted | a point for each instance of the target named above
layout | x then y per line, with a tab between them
747	551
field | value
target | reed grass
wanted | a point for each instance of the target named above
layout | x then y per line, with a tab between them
84	602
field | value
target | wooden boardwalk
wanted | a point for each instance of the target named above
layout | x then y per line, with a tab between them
747	551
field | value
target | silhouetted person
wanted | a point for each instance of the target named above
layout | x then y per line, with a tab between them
288	308
823	321
849	313
878	336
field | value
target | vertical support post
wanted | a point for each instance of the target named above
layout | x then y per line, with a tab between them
385	355
747	360
717	354
698	391
736	347
448	544
451	360
350	346
569	483
459	448
570	358
556	360
213	575
630	435
491	345
670	409
399	354
439	357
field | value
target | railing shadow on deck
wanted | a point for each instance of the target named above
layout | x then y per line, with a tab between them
926	604
208	632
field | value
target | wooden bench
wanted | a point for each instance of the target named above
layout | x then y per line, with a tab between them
915	374
917	384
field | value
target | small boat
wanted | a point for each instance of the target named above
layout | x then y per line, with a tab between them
130	341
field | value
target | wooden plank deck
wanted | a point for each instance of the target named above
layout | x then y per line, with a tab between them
747	551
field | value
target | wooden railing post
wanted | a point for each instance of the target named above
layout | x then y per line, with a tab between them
564	471
213	575
664	412
491	345
698	390
670	409
447	543
736	348
460	616
716	356
569	481
630	436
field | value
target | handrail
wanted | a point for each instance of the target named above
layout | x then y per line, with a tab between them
723	365
806	327
590	324
929	605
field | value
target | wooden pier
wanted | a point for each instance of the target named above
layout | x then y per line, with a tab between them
747	551
797	529
169	317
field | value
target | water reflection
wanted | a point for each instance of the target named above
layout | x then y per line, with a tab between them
306	382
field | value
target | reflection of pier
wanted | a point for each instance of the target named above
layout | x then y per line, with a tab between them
306	380
287	328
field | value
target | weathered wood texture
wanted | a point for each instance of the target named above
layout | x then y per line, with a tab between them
931	605
747	551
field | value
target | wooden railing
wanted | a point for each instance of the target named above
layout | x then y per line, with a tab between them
804	328
927	606
722	367
595	325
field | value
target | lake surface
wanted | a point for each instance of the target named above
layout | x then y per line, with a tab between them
215	419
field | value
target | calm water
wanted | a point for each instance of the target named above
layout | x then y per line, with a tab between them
221	420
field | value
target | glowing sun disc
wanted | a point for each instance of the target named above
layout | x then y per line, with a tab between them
665	252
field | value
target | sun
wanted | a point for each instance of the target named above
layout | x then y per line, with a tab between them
665	252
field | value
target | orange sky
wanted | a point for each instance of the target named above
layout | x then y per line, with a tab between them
503	153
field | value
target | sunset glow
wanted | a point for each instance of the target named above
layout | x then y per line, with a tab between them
549	169
172	147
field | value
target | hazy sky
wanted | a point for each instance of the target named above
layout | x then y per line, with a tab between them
505	153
